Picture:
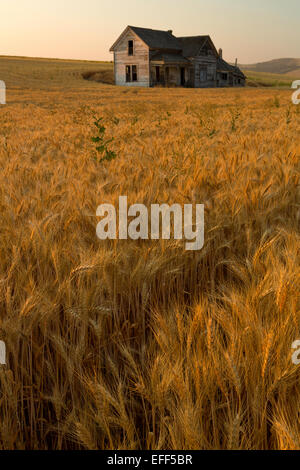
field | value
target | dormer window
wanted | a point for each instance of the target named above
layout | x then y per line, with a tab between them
130	47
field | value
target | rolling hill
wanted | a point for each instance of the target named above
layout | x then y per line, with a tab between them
290	67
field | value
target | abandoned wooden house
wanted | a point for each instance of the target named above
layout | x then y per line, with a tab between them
148	57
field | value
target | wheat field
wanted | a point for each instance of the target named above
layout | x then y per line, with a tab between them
141	344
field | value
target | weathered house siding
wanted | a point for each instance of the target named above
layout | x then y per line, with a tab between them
205	71
140	58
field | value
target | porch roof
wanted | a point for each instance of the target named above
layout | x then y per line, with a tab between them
223	66
169	59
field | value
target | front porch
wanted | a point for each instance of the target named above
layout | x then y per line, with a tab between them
169	70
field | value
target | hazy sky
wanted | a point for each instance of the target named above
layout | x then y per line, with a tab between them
254	30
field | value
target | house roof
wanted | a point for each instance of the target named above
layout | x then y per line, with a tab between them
192	45
222	65
157	39
169	58
239	72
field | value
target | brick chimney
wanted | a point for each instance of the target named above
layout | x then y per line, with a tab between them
221	53
236	62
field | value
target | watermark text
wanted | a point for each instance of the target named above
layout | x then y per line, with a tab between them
296	355
2	92
184	227
2	353
296	94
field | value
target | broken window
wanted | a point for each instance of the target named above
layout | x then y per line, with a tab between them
131	73
130	47
128	73
134	73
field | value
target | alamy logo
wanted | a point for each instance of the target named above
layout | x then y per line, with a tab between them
2	353
160	218
296	355
2	92
296	85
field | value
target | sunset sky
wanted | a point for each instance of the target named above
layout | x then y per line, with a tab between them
252	31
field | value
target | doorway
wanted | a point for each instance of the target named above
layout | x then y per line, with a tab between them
157	74
182	76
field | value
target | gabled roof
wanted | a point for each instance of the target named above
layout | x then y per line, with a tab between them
155	39
192	45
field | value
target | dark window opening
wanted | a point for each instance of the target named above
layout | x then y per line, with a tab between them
130	47
182	76
128	73
134	73
131	73
224	76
